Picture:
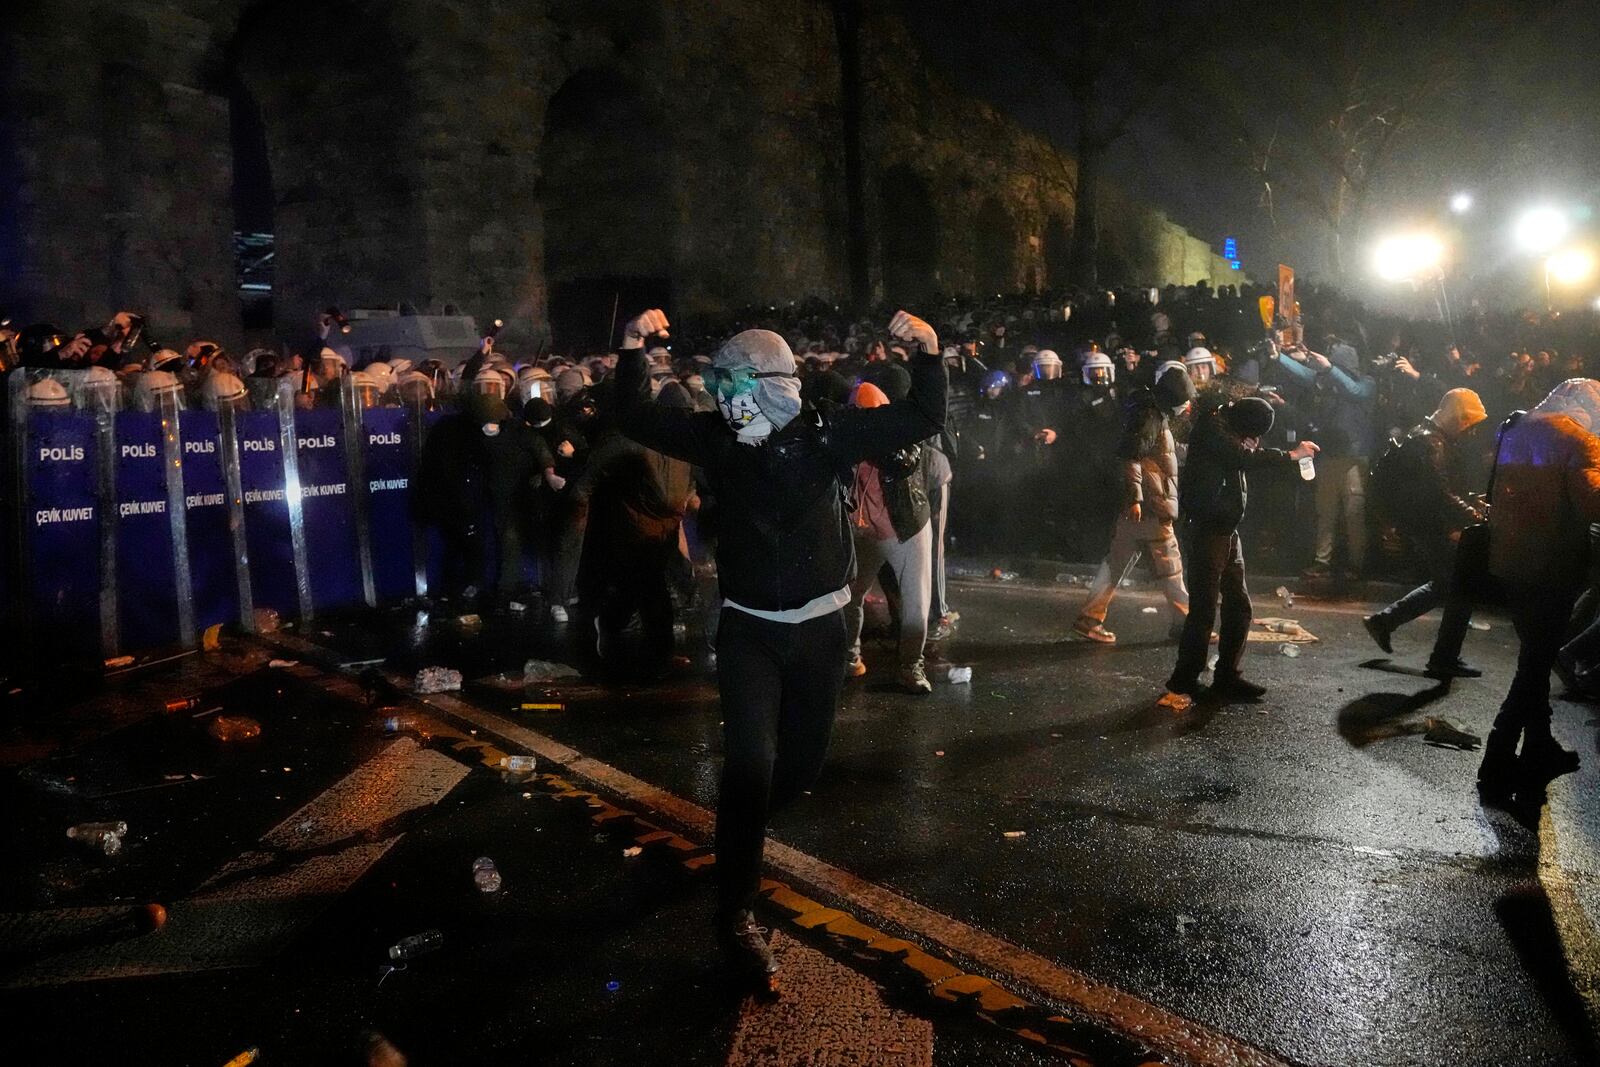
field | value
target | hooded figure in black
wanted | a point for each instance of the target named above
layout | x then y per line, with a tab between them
785	557
1211	501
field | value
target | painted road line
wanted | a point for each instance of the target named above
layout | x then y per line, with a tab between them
1171	1035
829	1016
251	908
1574	924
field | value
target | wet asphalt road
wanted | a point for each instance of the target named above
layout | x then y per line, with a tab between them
1306	874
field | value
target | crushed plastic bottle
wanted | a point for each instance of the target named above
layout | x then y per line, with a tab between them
104	837
1291	651
394	724
1283	594
517	764
485	875
958	675
437	680
226	728
409	948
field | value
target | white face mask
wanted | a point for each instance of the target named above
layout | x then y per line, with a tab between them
743	416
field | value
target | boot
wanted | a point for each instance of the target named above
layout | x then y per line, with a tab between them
1543	760
1380	633
1233	688
1497	774
745	946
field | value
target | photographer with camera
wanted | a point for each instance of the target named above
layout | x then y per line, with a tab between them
1343	400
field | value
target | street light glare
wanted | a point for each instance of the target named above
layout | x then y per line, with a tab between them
1571	267
1461	203
1540	229
1406	256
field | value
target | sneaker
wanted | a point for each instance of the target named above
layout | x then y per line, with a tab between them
914	679
942	630
558	613
1093	631
1317	572
1445	671
1235	689
856	668
744	944
1381	634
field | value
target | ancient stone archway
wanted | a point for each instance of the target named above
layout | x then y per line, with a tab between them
994	249
609	223
339	128
908	235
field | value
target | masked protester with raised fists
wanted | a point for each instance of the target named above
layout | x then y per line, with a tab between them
780	469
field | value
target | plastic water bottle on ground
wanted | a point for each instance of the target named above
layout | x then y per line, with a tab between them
485	875
395	724
104	837
409	948
958	675
517	764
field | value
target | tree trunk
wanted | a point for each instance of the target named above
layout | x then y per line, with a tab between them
1085	263
847	28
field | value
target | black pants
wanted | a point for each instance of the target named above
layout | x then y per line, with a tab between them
780	687
1213	562
1540	616
1440	559
463	562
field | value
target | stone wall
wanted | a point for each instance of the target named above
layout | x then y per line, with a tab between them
692	144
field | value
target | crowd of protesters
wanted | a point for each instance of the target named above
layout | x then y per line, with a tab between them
768	472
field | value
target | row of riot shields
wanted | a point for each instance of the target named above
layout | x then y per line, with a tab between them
132	530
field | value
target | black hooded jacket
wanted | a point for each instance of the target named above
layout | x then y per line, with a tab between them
1214	491
783	535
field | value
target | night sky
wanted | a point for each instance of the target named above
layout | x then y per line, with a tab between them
1515	122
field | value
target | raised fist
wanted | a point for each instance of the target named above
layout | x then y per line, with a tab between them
907	327
565	450
647	324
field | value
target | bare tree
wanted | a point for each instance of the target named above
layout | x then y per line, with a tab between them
1314	102
1113	60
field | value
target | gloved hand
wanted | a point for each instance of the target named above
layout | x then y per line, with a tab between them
905	326
647	324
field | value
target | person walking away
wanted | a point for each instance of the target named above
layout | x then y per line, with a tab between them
785	559
1211	501
890	526
1430	485
1148	464
1546	493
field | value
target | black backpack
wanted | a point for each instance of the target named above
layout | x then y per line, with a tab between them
1394	476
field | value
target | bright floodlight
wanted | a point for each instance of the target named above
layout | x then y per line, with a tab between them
1461	203
1540	229
1407	256
1570	267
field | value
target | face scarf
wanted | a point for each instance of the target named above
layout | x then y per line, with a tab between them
736	393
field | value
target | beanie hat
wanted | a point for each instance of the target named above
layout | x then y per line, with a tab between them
777	398
892	378
674	395
537	412
1174	388
868	395
1459	409
1249	416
